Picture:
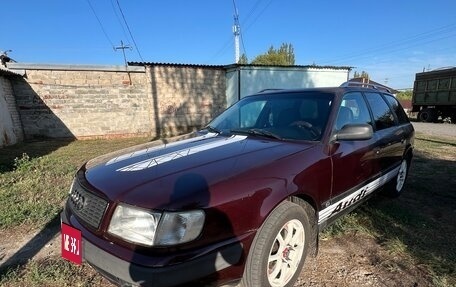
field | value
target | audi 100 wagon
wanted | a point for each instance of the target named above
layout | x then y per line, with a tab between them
242	200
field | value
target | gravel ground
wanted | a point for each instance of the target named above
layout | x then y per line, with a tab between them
436	129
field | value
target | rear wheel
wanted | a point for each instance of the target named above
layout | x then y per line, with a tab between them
453	118
395	187
427	115
279	249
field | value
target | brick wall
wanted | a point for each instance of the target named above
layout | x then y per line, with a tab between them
83	104
91	102
10	123
186	97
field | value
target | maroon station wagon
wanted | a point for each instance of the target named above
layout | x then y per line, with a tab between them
242	200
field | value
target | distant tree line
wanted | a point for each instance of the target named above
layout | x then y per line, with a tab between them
283	56
363	74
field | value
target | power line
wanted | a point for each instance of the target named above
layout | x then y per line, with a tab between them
259	15
118	20
398	49
99	22
243	46
129	31
250	13
221	50
245	20
400	44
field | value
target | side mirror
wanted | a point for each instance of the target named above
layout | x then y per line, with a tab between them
352	132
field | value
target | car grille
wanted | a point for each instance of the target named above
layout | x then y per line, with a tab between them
86	206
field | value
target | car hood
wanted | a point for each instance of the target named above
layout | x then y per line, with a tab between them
148	174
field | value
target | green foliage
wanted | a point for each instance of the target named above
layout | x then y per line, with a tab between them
363	74
34	184
284	56
243	60
51	272
405	95
23	162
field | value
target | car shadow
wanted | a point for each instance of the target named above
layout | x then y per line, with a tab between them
191	192
33	246
437	141
31	149
422	218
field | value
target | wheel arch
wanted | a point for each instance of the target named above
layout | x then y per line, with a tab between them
309	207
408	154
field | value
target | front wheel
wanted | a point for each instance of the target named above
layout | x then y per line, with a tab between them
279	249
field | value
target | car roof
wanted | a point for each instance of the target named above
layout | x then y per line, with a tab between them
333	90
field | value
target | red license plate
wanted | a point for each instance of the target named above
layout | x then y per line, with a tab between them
71	244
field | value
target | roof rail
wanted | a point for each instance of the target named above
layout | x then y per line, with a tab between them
365	85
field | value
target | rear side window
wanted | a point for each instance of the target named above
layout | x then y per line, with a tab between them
398	110
383	116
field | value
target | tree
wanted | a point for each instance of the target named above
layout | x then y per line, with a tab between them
405	95
363	74
284	56
243	59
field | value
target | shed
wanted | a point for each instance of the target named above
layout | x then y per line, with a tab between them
243	80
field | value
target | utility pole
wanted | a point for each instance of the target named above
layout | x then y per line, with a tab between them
237	33
123	47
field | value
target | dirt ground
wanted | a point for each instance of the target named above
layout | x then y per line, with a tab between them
356	260
346	261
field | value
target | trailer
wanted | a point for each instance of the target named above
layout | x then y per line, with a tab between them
434	95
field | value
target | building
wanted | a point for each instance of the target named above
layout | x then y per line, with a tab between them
144	98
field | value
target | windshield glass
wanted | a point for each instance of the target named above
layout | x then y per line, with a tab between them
295	116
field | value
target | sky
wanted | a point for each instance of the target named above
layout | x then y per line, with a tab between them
390	40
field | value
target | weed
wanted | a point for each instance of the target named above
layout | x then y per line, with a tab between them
35	182
51	272
23	163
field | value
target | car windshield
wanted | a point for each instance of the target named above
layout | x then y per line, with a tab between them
292	116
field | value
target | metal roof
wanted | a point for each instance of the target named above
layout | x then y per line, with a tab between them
237	66
72	67
176	65
8	72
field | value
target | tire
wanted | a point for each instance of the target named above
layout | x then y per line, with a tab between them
395	187
427	115
453	118
279	248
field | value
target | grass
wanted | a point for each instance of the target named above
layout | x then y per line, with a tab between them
35	177
51	272
416	229
419	226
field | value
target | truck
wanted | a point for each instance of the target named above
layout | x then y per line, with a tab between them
434	95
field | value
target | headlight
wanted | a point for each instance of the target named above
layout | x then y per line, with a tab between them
133	224
179	227
152	228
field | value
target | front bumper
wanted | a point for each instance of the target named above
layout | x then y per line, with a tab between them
125	273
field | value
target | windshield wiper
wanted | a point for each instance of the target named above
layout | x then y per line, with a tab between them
213	130
257	132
